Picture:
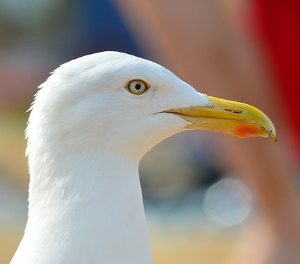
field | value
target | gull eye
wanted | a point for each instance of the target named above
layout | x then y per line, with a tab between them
137	87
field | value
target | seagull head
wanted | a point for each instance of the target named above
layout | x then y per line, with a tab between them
90	124
124	104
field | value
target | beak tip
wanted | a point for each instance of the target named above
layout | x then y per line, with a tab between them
272	132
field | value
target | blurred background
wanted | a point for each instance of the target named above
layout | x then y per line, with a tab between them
209	198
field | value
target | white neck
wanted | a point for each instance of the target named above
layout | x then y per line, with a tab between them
90	212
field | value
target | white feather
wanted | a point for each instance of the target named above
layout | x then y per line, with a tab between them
86	135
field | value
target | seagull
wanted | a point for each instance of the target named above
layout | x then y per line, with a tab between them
90	124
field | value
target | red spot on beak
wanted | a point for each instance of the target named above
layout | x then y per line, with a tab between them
246	131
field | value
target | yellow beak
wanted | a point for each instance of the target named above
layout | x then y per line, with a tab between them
229	117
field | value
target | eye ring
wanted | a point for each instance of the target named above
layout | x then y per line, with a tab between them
137	87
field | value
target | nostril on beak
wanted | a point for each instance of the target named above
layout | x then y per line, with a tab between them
233	111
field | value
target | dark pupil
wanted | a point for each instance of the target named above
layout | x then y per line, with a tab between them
138	86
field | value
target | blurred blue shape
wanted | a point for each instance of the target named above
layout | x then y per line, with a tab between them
104	28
